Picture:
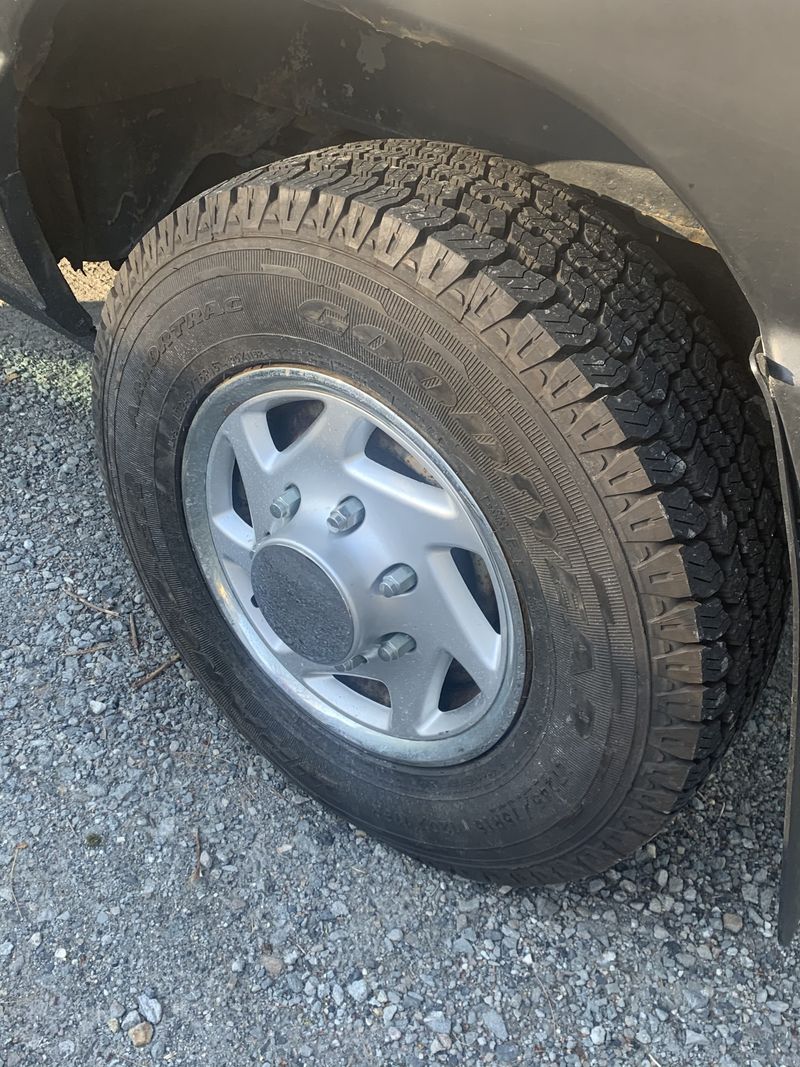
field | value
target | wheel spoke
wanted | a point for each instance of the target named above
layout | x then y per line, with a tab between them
234	540
414	683
248	435
339	432
296	664
428	513
463	631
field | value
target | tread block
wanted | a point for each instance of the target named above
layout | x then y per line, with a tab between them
662	517
695	663
687	570
695	703
447	256
534	250
686	742
402	227
365	211
487	303
689	622
732	589
526	287
702	473
610	420
335	198
647	379
530	343
637	469
722	529
679	428
586	374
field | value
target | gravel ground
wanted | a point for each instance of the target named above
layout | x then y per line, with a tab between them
160	883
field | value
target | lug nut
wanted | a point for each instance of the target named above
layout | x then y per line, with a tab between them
395	646
285	506
350	664
397	580
347	515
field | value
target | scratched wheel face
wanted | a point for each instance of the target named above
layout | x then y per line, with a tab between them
406	462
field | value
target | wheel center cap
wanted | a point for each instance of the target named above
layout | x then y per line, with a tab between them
302	604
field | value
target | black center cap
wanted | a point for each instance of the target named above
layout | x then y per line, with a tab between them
302	604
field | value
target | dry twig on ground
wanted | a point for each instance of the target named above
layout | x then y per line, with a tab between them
152	675
92	607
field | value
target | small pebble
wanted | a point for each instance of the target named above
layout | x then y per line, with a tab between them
732	922
598	1035
494	1022
438	1023
130	1019
273	965
358	990
150	1008
141	1034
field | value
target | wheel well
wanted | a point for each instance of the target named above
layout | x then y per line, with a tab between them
129	110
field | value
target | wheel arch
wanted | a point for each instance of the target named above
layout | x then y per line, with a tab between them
122	113
127	110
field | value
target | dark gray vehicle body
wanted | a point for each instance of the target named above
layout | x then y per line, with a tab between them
109	117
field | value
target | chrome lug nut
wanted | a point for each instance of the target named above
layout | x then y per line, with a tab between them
395	646
397	580
346	515
285	506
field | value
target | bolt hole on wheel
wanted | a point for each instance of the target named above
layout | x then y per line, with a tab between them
452	497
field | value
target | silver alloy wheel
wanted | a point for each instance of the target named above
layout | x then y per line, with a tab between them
354	566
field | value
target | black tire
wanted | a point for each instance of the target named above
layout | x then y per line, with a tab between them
622	456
